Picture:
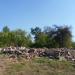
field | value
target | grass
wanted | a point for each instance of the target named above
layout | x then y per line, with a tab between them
37	66
40	66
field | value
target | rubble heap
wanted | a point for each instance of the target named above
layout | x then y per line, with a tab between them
29	53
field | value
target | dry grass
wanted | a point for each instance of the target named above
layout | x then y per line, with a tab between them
38	66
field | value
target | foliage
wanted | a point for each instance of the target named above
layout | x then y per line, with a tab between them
57	36
14	38
6	29
50	37
73	44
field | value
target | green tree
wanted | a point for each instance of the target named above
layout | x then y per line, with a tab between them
63	36
42	40
14	38
57	36
6	29
73	44
21	38
35	31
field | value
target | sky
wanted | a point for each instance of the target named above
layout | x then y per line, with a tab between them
27	14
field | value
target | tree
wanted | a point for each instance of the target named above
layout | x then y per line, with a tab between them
21	38
63	36
51	32
14	38
50	37
6	29
73	44
35	31
39	37
42	40
57	36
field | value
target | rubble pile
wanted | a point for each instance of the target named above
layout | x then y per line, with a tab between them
29	53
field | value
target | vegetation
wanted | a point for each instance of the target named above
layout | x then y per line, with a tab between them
14	38
57	36
50	37
40	66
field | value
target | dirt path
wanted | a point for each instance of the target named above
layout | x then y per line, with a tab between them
4	61
2	66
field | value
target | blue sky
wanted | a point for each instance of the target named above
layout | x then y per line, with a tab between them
26	14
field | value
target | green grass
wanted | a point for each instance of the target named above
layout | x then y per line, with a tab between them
41	66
